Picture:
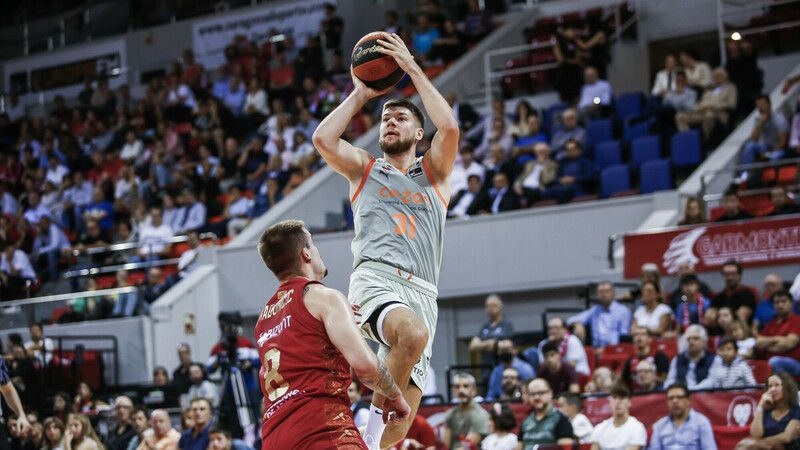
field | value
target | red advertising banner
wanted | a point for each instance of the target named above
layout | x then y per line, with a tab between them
759	242
728	411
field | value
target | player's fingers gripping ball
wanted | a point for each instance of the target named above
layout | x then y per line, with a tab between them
377	70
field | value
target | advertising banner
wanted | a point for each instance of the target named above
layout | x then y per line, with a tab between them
297	19
759	242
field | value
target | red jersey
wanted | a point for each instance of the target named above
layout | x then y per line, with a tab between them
300	363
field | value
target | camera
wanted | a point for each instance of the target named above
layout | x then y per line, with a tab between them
229	324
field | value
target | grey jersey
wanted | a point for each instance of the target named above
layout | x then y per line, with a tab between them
399	219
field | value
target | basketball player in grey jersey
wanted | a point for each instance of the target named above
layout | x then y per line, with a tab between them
399	205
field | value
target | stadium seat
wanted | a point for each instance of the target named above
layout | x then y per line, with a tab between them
655	176
669	347
625	348
614	179
643	149
631	132
787	175
598	131
685	148
552	116
627	105
715	213
591	356
607	154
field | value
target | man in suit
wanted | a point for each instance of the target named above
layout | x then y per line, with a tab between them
467	202
501	197
536	175
465	114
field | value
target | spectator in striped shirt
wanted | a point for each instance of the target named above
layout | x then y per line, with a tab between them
733	372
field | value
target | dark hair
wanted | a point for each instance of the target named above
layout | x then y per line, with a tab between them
141	409
726	341
217	429
620	390
782	293
573	399
36	324
574	141
549	347
732	262
680	72
764	97
202	369
789	387
403	103
502	417
655	285
161	369
281	244
689	278
15	339
679	385
732	191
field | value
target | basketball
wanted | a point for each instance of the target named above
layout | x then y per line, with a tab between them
375	69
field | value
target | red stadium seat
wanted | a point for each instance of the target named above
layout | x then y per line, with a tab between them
728	437
761	370
787	175
715	213
136	278
626	348
105	281
669	347
583	380
178	249
591	356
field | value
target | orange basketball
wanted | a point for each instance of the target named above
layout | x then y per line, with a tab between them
375	69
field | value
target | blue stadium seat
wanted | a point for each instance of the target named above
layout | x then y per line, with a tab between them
627	105
643	149
655	176
598	131
631	132
614	179
685	149
607	154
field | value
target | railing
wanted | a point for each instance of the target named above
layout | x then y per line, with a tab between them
28	307
490	74
742	168
745	10
131	245
80	350
111	269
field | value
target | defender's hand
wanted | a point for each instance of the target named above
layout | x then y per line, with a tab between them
396	410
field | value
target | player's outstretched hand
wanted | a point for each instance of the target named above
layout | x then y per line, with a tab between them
360	86
395	47
396	410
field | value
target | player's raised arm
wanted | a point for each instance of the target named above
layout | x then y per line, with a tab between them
334	311
444	146
338	153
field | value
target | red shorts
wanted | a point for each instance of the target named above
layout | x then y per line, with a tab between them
317	424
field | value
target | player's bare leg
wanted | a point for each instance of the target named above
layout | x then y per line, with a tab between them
407	337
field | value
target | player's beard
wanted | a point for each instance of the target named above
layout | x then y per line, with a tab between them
396	147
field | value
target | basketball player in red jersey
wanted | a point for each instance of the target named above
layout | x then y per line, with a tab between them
308	341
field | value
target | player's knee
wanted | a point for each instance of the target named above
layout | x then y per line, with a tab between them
415	340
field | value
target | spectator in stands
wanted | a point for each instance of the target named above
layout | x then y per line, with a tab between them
694	212
573	171
100	210
468	202
559	376
507	354
53	433
484	128
139	423
180	101
122	432
477	23
715	106
358	406
499	135
653	315
744	341
154	239
621	430
765	311
23	373
180	376
603	379
647	380
449	46
164	436
545	425
511	385
596	97
780	204
39	347
502	423
732	209
495	329
424	36
684	427
420	435
200	387
733	372
523	145
570	129
468	166
153	288
665	78
568	74
160	376
537	175
133	148
501	196
50	245
15	271
698	73
681	98
80	435
776	421
694	308
85	401
197	437
780	338
35	209
769	136
570	347
738	297
642	340
696	363
677	296
125	304
519	127
609	320
571	404
221	439
235	96
467	419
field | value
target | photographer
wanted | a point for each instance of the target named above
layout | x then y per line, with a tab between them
231	355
